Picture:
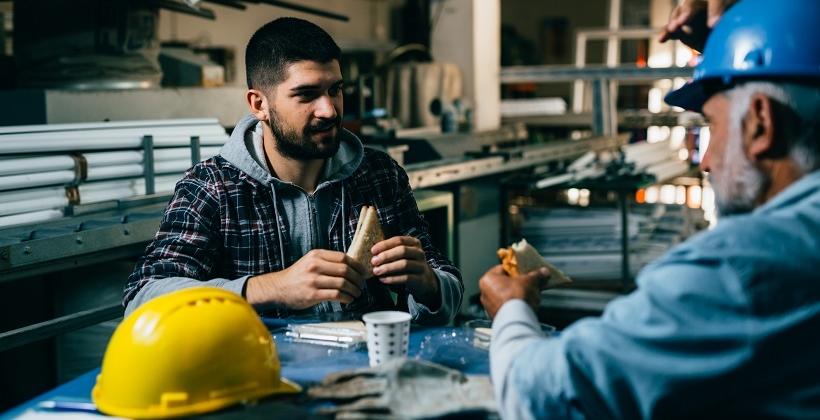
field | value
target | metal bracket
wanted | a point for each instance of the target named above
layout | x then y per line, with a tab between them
148	164
196	152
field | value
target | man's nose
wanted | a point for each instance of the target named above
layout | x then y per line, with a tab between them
325	108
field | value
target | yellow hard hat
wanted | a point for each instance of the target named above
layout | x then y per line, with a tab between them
189	352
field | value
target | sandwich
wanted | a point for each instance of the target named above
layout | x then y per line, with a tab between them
522	258
368	233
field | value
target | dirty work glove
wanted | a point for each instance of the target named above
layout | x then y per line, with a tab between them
405	389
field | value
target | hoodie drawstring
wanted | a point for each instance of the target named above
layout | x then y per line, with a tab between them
337	306
344	221
278	227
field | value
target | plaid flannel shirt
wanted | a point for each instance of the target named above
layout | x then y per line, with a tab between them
220	223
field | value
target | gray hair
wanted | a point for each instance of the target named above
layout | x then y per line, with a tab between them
798	127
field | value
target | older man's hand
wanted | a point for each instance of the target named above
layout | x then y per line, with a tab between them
691	21
497	288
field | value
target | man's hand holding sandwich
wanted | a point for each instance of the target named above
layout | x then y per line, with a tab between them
400	260
318	276
522	274
498	287
324	275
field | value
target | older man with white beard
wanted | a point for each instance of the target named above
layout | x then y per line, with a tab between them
726	324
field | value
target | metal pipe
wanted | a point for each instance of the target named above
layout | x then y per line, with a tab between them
32	200
117	171
103	165
33	217
551	74
97	173
48	144
204	130
38	179
14	140
623	33
96	159
26	206
111	125
22	165
95	192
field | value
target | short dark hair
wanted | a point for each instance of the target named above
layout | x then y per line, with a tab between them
281	42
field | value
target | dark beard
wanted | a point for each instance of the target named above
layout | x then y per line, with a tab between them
292	145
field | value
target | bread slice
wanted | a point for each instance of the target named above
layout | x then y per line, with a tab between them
368	233
522	258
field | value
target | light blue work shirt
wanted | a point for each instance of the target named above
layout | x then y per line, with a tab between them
725	325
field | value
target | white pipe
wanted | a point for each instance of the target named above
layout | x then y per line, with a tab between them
24	206
667	170
553	180
179	153
92	196
22	165
49	144
107	125
650	160
33	199
97	173
36	179
206	130
582	162
94	192
32	194
639	150
108	172
135	156
113	158
33	217
168	181
182	156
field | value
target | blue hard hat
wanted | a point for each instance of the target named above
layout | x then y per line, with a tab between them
756	40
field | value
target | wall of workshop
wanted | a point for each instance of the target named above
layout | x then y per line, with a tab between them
369	22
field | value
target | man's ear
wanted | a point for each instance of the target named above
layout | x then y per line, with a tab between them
759	129
257	104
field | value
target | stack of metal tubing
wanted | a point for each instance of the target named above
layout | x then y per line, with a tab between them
44	169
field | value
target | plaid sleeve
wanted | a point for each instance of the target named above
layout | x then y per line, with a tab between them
187	243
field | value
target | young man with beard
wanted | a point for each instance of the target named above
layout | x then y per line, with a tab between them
726	324
271	216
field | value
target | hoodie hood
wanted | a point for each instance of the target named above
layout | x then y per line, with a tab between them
245	151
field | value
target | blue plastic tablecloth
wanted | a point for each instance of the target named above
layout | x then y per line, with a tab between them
308	363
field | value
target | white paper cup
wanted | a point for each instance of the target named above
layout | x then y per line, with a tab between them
388	335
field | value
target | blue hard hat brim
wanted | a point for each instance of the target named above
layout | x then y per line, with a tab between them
690	96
